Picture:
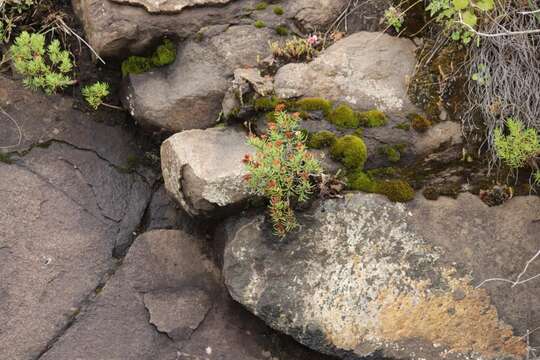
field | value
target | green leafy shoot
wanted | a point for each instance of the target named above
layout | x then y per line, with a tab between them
94	94
43	67
282	169
394	18
519	146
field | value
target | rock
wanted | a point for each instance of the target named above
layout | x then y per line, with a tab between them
164	213
446	132
366	276
203	169
365	70
115	29
166	303
188	94
165	6
67	206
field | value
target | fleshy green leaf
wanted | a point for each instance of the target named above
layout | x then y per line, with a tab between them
460	4
469	18
485	5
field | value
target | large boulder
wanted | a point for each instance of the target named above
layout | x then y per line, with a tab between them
68	204
203	169
188	94
365	70
120	27
365	276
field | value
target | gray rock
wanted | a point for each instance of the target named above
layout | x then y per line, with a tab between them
67	207
165	6
166	303
367	276
446	132
115	30
188	94
365	70
203	169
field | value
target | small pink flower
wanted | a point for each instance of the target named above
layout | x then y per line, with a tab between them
312	40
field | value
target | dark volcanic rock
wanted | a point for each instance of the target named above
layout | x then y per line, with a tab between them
67	206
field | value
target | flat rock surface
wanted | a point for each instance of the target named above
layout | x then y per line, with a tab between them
166	302
366	276
67	206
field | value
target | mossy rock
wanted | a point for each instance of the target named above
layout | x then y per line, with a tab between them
164	54
392	153
263	5
419	123
278	10
395	190
372	119
314	104
344	117
259	24
351	151
282	30
321	139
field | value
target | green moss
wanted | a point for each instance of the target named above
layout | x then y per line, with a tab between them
164	54
404	126
372	118
393	153
383	172
267	103
395	190
359	133
278	10
419	122
5	158
344	117
321	139
351	151
314	104
263	5
282	30
259	24
360	181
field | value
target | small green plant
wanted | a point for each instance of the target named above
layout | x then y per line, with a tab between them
43	67
394	18
12	13
278	10
282	169
263	5
259	24
519	147
419	123
482	75
459	17
95	94
267	103
314	104
282	30
164	54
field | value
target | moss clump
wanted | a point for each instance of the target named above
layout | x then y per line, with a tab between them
393	153
263	5
360	181
372	118
278	10
351	151
259	24
406	126
314	104
267	103
5	158
164	54
395	190
321	139
282	30
358	132
419	122
344	117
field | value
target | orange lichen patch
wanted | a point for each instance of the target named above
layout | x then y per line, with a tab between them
461	319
